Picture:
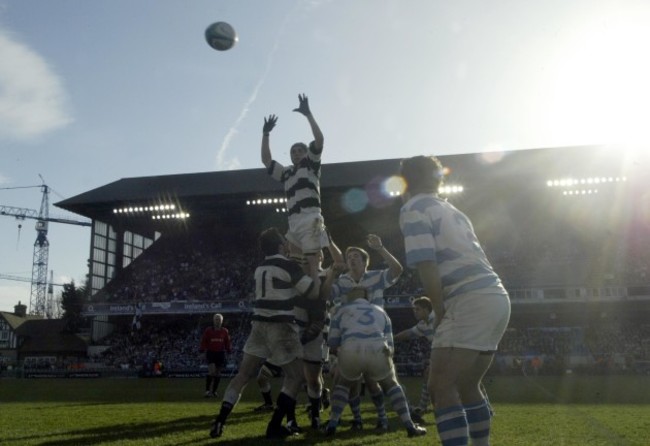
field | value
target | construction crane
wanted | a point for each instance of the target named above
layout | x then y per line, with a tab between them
49	308
38	302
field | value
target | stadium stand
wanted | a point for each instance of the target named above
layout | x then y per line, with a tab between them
576	268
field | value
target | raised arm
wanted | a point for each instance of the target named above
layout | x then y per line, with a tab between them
404	335
335	269
269	123
394	266
334	250
303	109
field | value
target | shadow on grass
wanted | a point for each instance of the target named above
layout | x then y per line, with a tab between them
181	431
184	430
116	432
346	436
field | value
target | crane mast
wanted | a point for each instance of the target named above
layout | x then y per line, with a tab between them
38	293
38	299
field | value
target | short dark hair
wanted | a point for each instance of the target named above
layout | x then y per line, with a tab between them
422	173
364	254
423	302
270	240
302	145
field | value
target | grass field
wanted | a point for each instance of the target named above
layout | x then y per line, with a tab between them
569	411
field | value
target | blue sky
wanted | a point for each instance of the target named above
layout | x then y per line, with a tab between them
94	91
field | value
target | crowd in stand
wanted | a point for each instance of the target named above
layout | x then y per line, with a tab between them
183	270
605	348
195	269
174	344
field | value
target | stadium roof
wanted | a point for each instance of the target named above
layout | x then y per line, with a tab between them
223	194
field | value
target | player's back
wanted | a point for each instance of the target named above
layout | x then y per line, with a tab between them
278	281
432	225
361	321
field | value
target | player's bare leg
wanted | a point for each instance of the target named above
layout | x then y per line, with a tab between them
475	402
313	265
314	391
395	394
377	397
264	383
354	399
339	399
247	371
445	368
286	402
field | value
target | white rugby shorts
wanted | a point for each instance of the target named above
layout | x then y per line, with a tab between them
473	321
313	351
277	342
307	231
369	359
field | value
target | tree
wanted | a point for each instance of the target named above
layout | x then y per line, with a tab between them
72	303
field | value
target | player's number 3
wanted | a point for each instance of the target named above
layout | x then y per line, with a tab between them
367	318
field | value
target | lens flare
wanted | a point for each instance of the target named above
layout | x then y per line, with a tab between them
355	200
394	186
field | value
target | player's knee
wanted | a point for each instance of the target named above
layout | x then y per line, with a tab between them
469	391
386	383
313	382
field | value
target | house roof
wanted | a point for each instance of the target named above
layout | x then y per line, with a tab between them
16	321
48	336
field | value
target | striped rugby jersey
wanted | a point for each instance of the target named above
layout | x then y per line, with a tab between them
278	281
424	329
360	321
434	230
374	281
301	182
302	303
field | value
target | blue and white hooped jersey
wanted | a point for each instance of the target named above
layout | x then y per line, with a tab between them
374	281
424	329
434	230
360	321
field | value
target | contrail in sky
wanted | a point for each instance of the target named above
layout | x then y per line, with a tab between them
232	131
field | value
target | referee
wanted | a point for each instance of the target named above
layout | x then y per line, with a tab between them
215	342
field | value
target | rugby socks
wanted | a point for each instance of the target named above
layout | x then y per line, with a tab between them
208	383
425	398
355	406
400	405
268	400
315	401
226	408
266	394
339	399
285	406
451	423
479	420
291	413
378	400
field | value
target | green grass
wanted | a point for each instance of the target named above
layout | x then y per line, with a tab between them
569	411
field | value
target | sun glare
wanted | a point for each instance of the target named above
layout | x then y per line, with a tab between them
599	87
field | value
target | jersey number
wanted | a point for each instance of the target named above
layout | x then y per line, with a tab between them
367	318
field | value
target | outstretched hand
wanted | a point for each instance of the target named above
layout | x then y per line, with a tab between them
374	241
303	106
269	123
